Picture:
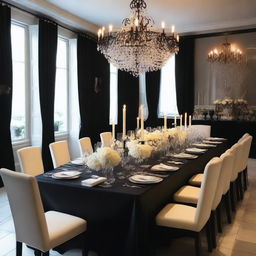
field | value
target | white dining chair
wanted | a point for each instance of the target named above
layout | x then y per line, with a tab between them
190	194
194	219
234	188
203	131
106	139
242	169
85	146
60	153
39	230
30	160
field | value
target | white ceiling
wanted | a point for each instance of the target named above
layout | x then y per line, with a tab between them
188	15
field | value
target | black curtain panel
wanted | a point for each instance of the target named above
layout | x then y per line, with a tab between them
93	89
184	68
128	94
6	153
48	34
153	90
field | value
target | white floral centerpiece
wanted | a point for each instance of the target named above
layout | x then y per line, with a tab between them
103	158
137	150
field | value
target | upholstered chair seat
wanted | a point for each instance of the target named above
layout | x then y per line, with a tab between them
196	180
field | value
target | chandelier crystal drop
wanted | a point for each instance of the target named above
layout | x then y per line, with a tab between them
138	47
227	55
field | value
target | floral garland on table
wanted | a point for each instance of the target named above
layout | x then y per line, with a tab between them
102	159
137	150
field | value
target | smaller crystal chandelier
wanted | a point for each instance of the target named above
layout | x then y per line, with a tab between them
228	54
138	47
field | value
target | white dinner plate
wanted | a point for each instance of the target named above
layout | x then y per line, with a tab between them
164	168
212	142
196	150
67	175
185	156
204	145
144	179
216	139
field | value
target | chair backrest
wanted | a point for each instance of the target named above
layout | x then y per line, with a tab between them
60	153
207	192
247	141
224	175
106	139
85	145
203	130
229	165
237	150
27	209
30	160
243	137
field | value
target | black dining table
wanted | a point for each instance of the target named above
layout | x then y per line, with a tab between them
120	219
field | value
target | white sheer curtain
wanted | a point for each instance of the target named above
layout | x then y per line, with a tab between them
113	108
36	121
167	100
143	95
74	116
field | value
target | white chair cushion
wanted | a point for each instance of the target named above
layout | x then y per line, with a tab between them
196	180
63	227
187	194
177	216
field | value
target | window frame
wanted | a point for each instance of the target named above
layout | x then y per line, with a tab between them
26	140
59	135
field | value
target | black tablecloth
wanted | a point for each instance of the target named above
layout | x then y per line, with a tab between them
120	219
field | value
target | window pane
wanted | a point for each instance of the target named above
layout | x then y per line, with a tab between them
18	121
113	94
167	101
62	54
61	88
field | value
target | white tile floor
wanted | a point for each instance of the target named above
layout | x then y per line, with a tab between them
237	239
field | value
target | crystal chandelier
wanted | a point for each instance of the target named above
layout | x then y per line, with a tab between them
228	54
138	47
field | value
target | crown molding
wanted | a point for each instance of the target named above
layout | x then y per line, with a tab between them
46	9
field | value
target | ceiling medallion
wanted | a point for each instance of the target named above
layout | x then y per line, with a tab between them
228	54
138	47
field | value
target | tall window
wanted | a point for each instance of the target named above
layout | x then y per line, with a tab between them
18	122
61	88
167	100
113	94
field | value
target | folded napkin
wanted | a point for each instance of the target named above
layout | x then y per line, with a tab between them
91	182
78	161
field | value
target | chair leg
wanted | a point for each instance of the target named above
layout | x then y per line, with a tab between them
37	252
18	248
245	178
198	243
45	254
232	196
219	222
227	207
237	189
84	246
213	230
241	189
